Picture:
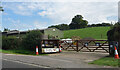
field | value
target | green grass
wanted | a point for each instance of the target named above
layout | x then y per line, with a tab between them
93	32
107	61
23	52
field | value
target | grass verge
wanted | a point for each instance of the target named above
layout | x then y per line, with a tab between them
107	61
23	52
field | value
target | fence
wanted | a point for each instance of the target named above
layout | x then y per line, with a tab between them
90	45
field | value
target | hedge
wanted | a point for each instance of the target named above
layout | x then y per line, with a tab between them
10	43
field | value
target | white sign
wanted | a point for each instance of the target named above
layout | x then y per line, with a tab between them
48	50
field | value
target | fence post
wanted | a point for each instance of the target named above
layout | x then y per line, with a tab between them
77	46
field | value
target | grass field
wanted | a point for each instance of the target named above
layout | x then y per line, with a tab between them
107	61
93	32
23	52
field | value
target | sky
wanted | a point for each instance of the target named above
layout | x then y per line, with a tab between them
39	15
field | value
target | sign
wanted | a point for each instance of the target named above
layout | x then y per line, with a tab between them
50	50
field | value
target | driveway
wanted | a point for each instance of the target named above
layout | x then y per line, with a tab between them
65	59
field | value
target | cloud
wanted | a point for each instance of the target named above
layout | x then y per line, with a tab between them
15	24
63	12
18	8
119	11
4	13
43	13
60	0
40	25
13	21
94	12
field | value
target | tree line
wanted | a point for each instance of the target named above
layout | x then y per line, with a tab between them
77	23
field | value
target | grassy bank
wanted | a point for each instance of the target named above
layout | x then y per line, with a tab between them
23	52
94	32
107	61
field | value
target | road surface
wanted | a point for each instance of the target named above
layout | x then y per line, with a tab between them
16	64
58	60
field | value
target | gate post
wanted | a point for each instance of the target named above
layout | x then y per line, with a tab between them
77	46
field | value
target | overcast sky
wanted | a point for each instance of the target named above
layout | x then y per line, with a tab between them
32	15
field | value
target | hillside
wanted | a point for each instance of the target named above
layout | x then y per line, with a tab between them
93	32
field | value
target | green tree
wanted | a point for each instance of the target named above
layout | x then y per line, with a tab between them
6	29
78	22
1	8
63	27
114	35
32	39
60	26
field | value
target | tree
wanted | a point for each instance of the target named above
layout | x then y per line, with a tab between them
1	8
78	22
63	27
32	39
106	24
6	29
60	26
99	25
114	35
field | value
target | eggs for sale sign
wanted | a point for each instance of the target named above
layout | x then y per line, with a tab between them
50	50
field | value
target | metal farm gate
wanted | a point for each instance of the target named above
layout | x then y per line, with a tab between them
85	45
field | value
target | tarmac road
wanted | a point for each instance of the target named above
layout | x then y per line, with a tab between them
59	60
12	65
16	64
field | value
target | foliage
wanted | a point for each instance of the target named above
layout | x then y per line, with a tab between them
114	35
78	22
92	32
99	25
60	26
29	42
32	39
76	38
10	43
6	29
1	8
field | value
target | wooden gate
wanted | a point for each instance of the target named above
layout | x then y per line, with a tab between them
89	45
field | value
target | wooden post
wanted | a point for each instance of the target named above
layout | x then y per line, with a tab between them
77	46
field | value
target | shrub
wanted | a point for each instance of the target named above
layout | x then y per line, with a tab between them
114	35
76	38
10	43
32	39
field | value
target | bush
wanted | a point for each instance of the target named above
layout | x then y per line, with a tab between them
114	35
32	39
76	38
10	43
